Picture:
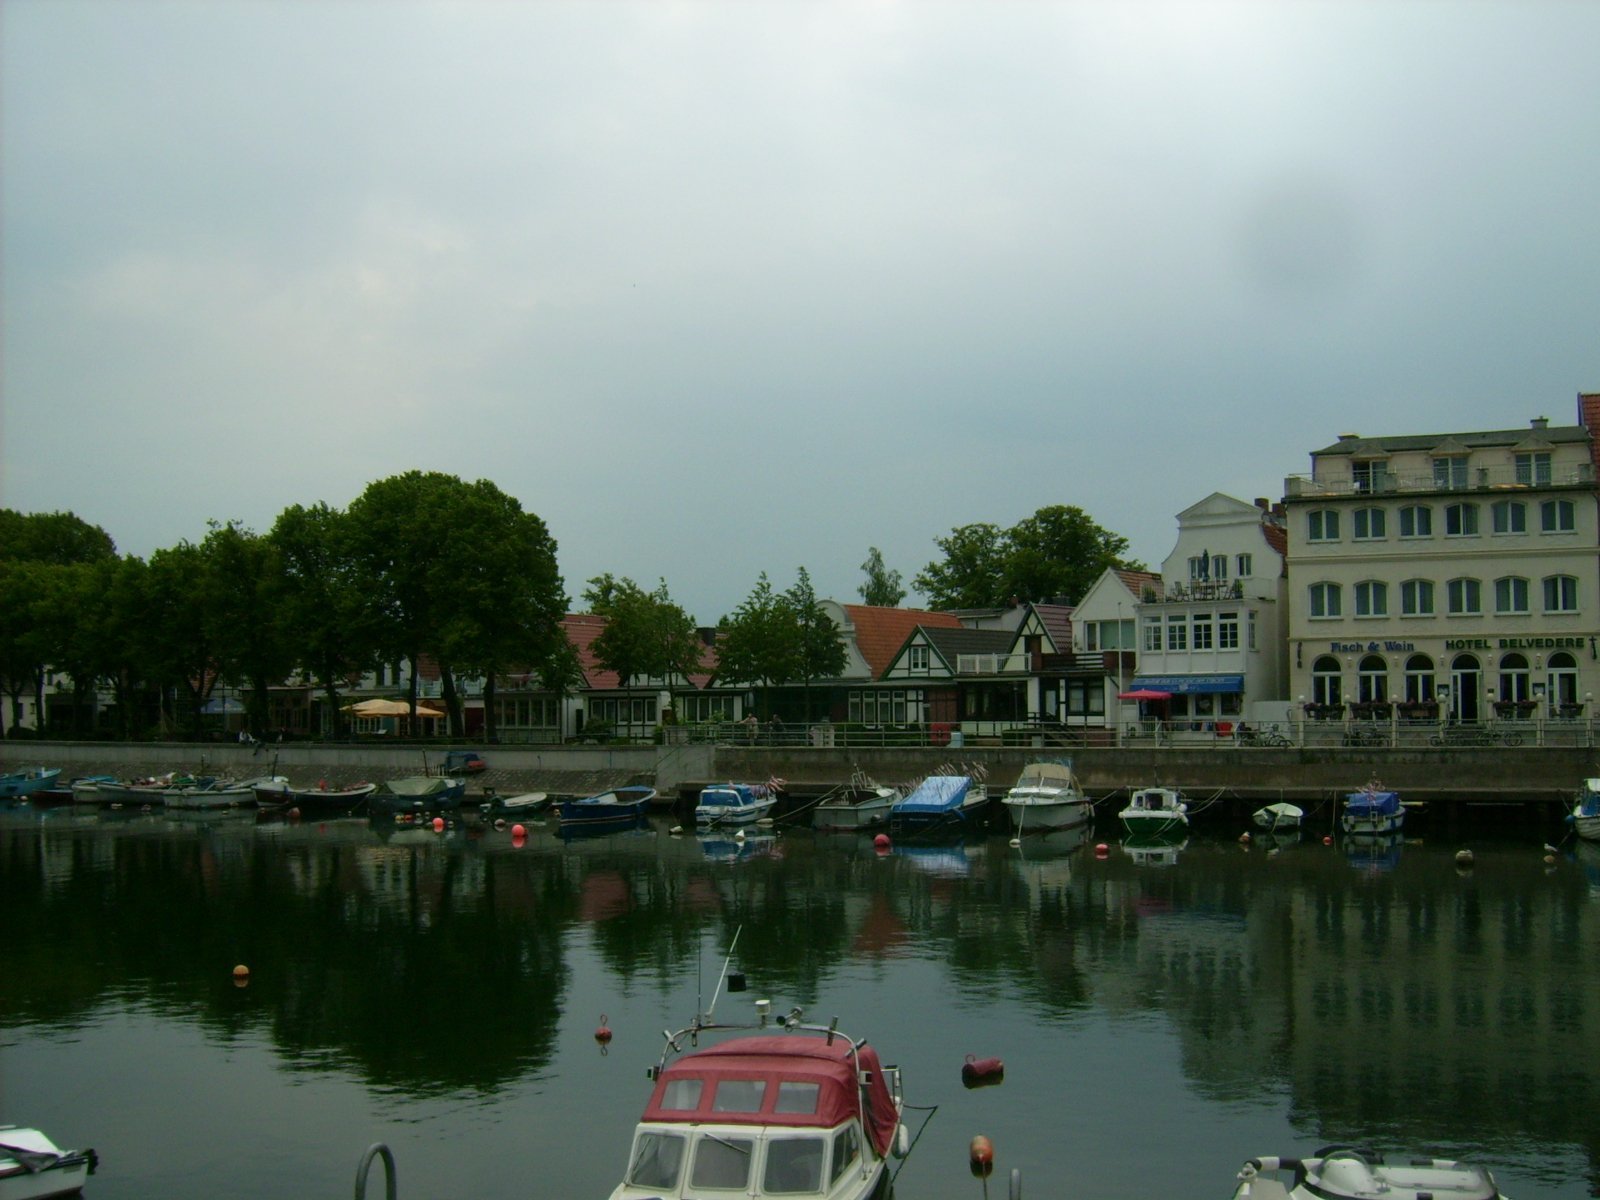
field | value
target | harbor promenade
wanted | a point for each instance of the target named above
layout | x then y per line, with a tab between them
1539	779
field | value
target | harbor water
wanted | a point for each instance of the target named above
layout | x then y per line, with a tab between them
1162	1014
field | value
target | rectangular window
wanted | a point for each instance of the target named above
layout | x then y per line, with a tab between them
1464	598
1152	633
1368	474
1416	521
1416	598
1450	474
1367	524
1242	566
1460	520
1508	516
1228	631
1219	567
1557	516
1202	631
1533	469
917	658
1177	633
1561	594
1511	595
1322	525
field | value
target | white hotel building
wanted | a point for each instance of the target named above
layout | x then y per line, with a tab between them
1453	574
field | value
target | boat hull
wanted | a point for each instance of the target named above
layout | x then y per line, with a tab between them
1373	826
54	1172
1029	814
871	813
619	808
1588	827
23	783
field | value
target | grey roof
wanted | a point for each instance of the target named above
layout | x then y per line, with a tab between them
1555	435
951	642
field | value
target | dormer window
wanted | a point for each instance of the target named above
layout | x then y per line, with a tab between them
1368	474
1533	469
1450	472
917	658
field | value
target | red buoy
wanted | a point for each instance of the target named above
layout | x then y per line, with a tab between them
438	824
982	1072
1101	850
881	841
518	831
981	1155
603	1034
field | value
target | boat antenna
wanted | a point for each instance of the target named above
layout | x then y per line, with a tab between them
724	975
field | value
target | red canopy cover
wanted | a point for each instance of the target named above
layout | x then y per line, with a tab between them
796	1058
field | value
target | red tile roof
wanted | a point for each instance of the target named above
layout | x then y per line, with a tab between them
1136	581
880	632
583	628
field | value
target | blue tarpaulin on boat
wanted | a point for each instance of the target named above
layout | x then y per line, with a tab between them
1372	804
936	794
1190	684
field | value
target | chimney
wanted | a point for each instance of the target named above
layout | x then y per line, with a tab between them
1541	422
1349	437
1261	503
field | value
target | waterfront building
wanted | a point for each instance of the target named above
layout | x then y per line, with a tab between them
1447	575
1105	630
1211	636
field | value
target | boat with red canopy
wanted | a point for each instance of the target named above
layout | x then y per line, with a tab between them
794	1110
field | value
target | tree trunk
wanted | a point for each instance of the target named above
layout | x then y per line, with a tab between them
330	689
491	727
452	701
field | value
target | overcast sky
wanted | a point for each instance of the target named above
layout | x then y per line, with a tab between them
718	288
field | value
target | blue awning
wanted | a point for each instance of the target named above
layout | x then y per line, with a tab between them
1180	685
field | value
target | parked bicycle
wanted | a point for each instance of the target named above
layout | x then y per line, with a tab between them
1246	736
1474	735
1365	735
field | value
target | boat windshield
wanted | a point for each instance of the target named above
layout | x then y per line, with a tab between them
793	1165
657	1160
846	1148
721	1162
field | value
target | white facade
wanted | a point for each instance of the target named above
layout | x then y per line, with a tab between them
1448	574
1213	636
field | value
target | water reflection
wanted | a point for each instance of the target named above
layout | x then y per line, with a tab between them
1403	1001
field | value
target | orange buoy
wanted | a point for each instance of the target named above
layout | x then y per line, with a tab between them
438	824
294	814
981	1156
982	1072
603	1034
241	972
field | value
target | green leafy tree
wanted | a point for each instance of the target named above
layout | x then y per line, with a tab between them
25	649
505	597
396	543
244	590
52	537
324	611
882	588
972	573
647	634
822	653
177	634
759	642
1058	552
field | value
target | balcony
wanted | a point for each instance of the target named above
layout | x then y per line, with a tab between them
1477	479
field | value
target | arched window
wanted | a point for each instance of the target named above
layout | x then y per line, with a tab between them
1419	679
1326	685
1515	682
1326	600
1372	679
1562	679
1322	525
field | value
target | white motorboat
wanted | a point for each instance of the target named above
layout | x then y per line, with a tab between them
1281	815
726	804
1585	814
1155	812
1047	796
792	1110
863	803
1339	1172
32	1166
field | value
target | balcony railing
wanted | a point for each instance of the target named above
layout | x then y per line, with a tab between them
1475	479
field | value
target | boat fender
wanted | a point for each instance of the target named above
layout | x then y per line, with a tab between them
902	1141
982	1072
981	1156
603	1033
